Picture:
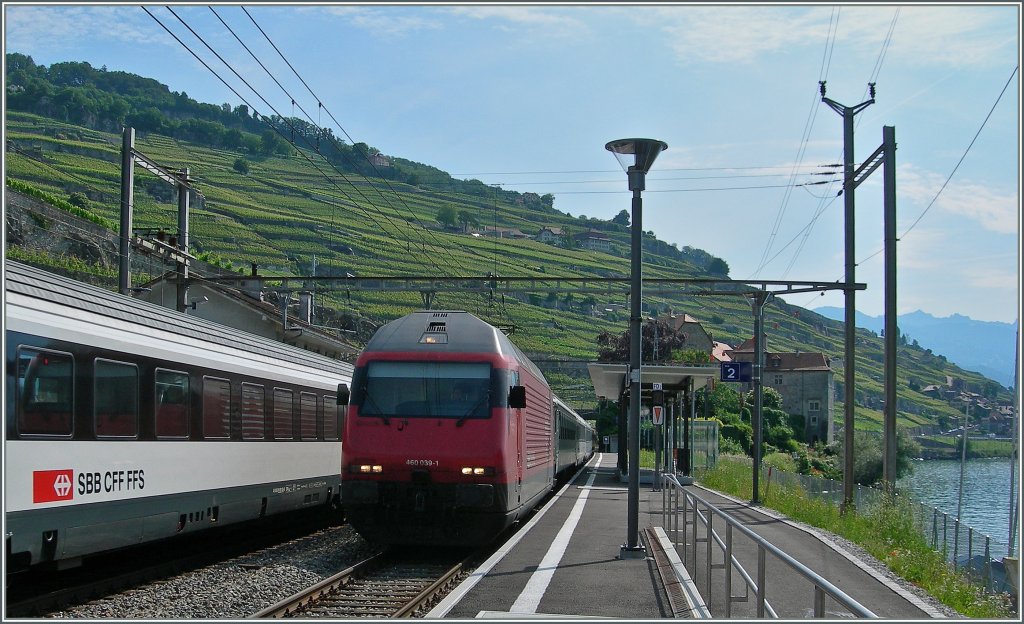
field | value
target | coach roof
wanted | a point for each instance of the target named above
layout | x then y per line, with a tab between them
39	284
456	331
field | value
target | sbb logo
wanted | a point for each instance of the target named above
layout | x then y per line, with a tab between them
49	486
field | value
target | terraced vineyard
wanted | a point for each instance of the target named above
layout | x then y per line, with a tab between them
290	211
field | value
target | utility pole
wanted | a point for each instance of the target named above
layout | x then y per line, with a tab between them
891	331
758	301
182	264
850	318
177	250
127	201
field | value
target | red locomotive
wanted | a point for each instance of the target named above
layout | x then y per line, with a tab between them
452	433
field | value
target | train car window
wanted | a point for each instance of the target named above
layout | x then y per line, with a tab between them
331	411
216	408
427	389
172	403
116	399
307	415
253	419
44	395
282	414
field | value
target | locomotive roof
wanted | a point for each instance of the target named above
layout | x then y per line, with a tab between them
37	283
464	333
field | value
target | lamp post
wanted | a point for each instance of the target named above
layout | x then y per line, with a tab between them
636	157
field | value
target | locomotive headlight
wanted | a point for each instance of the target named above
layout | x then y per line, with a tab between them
368	468
478	471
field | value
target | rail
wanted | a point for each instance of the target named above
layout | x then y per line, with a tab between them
678	503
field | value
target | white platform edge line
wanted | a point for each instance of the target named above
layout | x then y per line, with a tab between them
457	594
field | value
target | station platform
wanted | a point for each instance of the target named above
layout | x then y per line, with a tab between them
565	563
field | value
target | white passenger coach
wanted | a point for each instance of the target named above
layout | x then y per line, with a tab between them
127	422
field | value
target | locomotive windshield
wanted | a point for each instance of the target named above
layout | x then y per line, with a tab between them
457	390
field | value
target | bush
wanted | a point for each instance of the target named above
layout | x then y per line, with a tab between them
741	434
79	199
241	166
728	446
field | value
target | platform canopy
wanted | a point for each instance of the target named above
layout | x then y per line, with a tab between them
610	379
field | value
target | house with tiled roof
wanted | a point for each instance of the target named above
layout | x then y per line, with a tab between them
806	382
696	336
549	234
720	352
594	240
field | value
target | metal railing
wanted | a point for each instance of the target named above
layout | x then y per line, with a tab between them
960	544
679	504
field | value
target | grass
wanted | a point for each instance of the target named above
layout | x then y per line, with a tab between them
886	531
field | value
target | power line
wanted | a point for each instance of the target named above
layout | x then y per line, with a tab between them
340	127
804	139
966	151
258	94
272	126
876	71
950	177
724	188
619	170
618	181
320	130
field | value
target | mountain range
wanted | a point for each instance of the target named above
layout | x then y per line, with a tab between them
987	347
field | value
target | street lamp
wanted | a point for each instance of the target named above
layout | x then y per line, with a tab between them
636	157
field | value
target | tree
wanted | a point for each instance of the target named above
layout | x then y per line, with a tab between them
272	143
622	218
233	138
241	166
615	347
717	266
446	216
868	450
567	238
770	397
781	437
741	433
467	218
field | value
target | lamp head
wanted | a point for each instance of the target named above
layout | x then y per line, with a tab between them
636	154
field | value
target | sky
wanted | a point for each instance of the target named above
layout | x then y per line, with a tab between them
527	96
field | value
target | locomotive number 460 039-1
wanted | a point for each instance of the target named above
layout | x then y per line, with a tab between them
422	462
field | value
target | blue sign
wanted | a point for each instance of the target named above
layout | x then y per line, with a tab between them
737	371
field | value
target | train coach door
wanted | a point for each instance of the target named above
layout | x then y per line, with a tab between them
520	431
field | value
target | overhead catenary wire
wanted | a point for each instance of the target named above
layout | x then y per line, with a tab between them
955	168
698	190
320	106
258	94
320	130
875	72
962	157
804	139
272	126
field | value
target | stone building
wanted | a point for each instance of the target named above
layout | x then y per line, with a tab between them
806	382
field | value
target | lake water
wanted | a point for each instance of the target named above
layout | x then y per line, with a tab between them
986	506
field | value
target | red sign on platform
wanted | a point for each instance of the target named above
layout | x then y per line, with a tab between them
658	414
49	486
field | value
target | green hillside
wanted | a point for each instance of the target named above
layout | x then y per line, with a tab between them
292	205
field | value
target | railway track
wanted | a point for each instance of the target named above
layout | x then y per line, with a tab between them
388	585
38	593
